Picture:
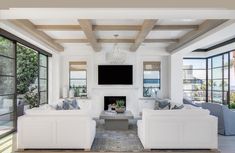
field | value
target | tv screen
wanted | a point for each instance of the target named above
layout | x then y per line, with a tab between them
115	75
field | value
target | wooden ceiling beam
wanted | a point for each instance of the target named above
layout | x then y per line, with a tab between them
115	40
29	27
86	26
146	28
190	36
114	27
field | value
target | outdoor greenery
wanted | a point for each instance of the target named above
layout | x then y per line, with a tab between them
31	97
27	68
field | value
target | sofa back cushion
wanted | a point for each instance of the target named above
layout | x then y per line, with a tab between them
178	112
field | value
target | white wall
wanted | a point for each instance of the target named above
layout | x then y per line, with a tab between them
97	92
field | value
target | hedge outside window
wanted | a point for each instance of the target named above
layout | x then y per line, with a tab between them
78	78
151	78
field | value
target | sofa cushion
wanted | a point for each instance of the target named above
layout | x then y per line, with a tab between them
162	104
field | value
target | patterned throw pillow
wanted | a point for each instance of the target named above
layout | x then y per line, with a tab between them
177	107
70	104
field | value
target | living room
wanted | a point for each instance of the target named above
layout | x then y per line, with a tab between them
117	78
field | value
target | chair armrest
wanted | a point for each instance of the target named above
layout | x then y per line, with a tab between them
229	122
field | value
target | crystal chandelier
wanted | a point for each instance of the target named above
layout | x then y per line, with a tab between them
116	56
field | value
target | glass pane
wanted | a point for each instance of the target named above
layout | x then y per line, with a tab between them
43	85
225	84
6	123
217	73
217	61
43	72
190	85
77	74
209	84
226	59
209	96
7	85
209	73
194	64
77	83
43	60
27	68
7	66
199	96
225	72
209	63
151	74
6	47
217	84
43	97
195	74
217	97
6	104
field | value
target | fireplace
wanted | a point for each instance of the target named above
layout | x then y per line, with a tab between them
112	100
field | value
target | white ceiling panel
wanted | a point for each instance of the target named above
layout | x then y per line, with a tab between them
166	34
117	22
122	34
180	22
66	34
55	22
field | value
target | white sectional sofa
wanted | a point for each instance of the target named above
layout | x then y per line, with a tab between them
178	129
55	129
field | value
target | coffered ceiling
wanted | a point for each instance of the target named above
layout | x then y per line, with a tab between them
170	33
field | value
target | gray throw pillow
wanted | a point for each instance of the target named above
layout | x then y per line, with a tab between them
162	104
178	107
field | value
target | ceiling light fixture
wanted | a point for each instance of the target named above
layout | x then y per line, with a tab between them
116	56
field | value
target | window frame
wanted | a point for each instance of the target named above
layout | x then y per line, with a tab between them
159	88
70	79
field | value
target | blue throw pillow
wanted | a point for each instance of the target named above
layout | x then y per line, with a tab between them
74	104
66	105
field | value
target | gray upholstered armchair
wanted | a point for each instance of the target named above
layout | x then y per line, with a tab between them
226	117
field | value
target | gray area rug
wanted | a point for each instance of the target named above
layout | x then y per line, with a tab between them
127	141
116	141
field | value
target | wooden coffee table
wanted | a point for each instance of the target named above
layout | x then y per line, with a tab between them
116	121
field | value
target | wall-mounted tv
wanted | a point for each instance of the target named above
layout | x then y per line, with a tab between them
115	74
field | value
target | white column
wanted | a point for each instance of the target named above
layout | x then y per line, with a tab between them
176	78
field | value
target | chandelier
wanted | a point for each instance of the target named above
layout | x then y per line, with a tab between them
116	56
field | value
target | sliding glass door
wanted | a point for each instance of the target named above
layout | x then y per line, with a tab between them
7	86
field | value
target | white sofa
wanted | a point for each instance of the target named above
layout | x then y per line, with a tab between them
55	129
178	129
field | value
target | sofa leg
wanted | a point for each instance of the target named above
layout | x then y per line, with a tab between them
20	150
147	150
87	150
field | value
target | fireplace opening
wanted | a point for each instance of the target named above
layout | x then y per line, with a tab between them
112	100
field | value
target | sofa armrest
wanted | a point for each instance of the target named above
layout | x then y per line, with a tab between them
229	122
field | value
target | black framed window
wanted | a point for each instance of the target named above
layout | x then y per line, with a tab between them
43	79
194	78
218	78
151	77
7	86
78	78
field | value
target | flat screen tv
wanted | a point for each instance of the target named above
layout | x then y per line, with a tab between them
115	75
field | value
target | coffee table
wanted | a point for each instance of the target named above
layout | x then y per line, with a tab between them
116	121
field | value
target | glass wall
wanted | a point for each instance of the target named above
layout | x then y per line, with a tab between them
23	79
218	78
194	74
7	86
232	80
